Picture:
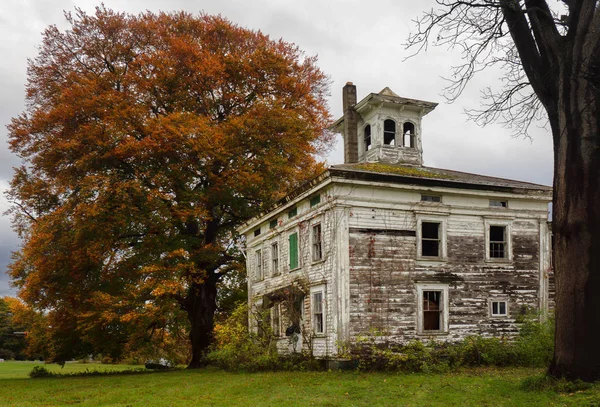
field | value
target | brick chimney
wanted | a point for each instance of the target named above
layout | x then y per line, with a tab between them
350	130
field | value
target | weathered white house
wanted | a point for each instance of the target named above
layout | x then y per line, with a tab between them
384	244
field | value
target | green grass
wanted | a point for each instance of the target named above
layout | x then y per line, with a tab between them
474	387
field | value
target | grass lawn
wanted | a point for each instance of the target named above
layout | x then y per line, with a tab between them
474	387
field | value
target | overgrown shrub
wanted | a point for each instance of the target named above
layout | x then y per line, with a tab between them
40	371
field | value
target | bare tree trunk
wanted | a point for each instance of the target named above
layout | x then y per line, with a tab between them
576	228
201	306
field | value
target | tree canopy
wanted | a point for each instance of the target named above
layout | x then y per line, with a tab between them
146	140
550	55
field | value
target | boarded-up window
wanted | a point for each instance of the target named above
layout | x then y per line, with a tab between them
318	320
498	242
389	132
432	310
293	244
430	239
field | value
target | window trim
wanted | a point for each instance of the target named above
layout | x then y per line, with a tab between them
442	220
395	132
491	301
507	235
313	244
444	288
320	289
412	143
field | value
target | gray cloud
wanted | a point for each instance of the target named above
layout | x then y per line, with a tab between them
355	42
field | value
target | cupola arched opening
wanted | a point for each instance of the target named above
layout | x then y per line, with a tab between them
367	134
389	132
408	130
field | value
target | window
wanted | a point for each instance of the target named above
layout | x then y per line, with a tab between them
315	200
432	308
318	310
408	129
389	132
293	212
430	239
293	247
258	265
317	244
275	259
431	198
367	137
498	204
497	242
256	232
273	223
498	308
276	319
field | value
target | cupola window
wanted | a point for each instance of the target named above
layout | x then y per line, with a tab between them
389	132
409	135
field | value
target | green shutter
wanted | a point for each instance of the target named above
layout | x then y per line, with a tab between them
293	251
315	200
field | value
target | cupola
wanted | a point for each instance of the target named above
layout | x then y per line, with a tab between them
382	127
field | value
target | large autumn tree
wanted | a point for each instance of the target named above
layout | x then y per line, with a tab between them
146	139
549	53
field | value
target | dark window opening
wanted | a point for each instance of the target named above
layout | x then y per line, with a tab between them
257	232
498	308
368	137
499	204
431	198
497	242
430	239
273	223
293	212
315	200
408	130
389	132
432	310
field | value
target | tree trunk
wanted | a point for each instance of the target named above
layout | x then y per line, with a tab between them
201	306
576	228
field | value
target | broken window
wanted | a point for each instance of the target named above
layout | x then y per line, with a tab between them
317	245
431	198
389	132
318	315
258	264
499	308
408	129
275	258
293	250
430	239
276	319
368	137
432	310
498	204
497	242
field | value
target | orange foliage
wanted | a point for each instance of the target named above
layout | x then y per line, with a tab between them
146	140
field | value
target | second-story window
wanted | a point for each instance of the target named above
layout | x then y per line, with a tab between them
275	259
389	132
258	263
430	239
293	251
317	244
368	137
498	242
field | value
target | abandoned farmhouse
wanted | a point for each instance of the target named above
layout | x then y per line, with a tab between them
385	245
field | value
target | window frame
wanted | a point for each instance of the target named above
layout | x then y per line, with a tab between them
276	309
503	203
445	312
367	138
275	266
507	236
258	265
442	230
412	137
426	200
316	243
395	132
491	302
321	289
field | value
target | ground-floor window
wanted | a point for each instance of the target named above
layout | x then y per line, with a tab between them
498	308
318	309
432	308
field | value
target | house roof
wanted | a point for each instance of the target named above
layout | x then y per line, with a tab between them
410	175
386	96
430	176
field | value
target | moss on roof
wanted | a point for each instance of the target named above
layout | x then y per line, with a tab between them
400	170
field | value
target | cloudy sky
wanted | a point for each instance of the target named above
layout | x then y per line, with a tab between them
355	41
